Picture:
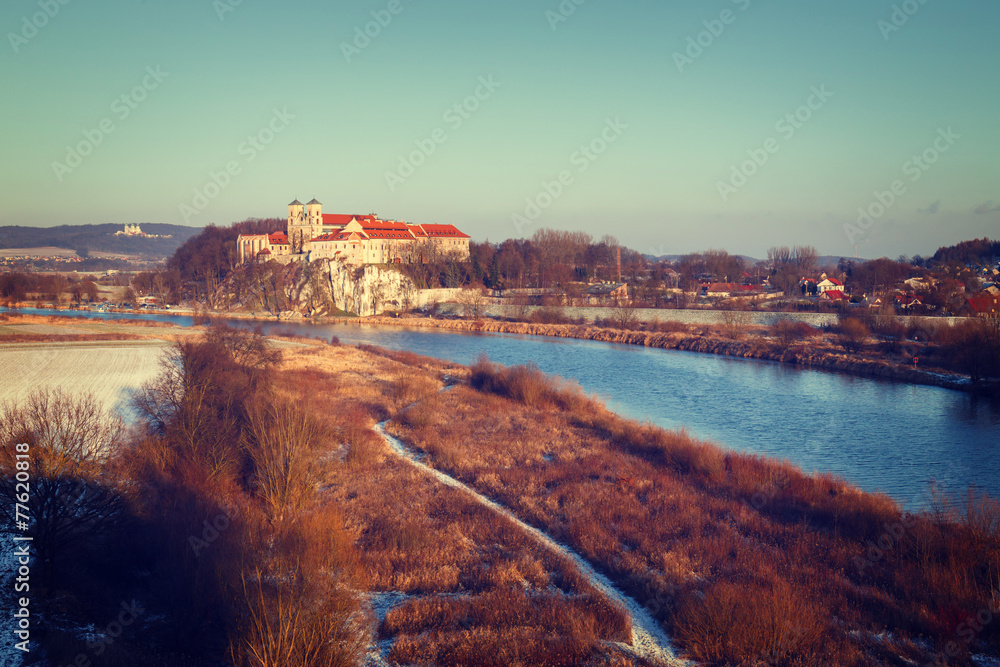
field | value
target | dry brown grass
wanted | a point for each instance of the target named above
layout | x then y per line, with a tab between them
62	338
70	320
480	586
723	548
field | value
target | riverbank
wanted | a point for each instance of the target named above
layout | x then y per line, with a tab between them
803	355
811	354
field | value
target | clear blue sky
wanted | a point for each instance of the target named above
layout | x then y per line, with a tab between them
673	129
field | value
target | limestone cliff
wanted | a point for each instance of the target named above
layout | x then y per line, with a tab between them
294	288
361	290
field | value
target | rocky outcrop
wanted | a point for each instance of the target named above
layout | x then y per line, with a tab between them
315	289
365	290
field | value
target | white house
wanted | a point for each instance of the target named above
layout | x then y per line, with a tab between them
829	284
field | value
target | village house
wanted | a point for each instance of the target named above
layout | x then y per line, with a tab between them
983	303
312	235
906	301
832	295
607	293
829	284
717	290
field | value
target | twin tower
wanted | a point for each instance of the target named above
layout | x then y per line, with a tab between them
305	222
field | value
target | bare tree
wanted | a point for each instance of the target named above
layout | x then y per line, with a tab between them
66	443
623	312
779	257
408	295
852	334
805	258
473	301
722	265
290	615
736	322
282	442
379	292
453	274
517	307
975	347
786	331
316	292
198	402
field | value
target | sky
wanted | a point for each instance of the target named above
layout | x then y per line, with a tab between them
855	126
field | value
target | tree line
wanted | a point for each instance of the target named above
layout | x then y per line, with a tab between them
557	260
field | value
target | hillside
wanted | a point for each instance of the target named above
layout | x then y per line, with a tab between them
99	238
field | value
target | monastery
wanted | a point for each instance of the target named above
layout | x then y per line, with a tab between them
355	239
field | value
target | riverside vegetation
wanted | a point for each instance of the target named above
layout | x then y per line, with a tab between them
875	344
744	560
255	517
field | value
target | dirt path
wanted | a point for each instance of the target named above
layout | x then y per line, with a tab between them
648	638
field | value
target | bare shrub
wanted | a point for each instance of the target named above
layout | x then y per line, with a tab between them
623	313
787	331
973	347
525	384
548	315
473	301
852	334
736	322
730	622
407	387
291	603
247	349
365	451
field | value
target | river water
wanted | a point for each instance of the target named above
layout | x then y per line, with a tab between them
887	437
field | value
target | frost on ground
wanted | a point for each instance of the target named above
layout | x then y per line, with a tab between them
111	372
648	638
381	604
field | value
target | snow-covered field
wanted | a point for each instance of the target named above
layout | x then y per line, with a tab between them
110	371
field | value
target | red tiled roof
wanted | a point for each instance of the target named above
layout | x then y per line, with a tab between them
835	281
729	287
278	238
375	223
440	231
373	227
984	303
341	219
834	294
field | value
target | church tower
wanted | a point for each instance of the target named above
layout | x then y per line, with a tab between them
297	226
314	218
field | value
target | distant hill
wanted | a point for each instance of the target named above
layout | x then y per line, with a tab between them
976	251
825	260
100	238
834	260
673	258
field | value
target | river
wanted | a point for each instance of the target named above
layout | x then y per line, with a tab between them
883	436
